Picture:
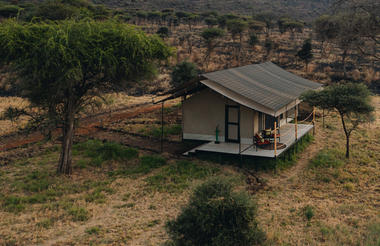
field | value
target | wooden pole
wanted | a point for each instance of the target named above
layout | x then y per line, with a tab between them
286	114
313	120
323	118
275	139
241	158
295	119
162	127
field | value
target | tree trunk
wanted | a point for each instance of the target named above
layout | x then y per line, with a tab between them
344	63
347	147
64	165
347	133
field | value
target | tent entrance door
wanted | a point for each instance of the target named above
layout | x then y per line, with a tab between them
232	126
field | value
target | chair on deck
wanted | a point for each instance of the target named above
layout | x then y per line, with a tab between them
260	141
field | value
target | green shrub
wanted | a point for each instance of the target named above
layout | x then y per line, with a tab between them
13	204
149	162
327	158
309	212
100	152
93	230
215	215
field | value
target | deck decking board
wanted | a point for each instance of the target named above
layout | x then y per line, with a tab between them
287	137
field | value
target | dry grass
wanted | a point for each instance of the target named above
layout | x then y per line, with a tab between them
110	102
344	199
128	209
7	126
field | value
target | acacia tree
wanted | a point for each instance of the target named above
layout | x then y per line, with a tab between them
183	72
210	36
269	19
237	27
325	29
305	53
351	101
63	65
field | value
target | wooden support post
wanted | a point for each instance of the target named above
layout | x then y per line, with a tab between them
162	127
323	118
239	132
313	120
286	114
295	120
275	139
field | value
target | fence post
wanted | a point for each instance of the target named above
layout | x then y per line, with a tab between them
313	121
275	139
162	127
296	120
323	118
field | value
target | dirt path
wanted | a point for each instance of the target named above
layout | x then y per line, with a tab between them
88	125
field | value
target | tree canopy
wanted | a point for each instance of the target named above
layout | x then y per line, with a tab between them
184	72
216	215
350	100
305	53
63	65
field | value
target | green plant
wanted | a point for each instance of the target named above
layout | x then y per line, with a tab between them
46	223
215	215
176	177
149	162
308	212
96	196
81	164
13	204
67	71
183	72
100	152
93	230
373	235
351	100
327	158
78	214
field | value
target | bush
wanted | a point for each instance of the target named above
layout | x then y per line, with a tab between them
7	11
163	32
309	212
216	216
183	72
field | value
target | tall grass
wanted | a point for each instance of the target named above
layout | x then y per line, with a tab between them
327	158
176	177
100	152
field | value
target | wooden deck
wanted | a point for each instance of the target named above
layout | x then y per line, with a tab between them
287	137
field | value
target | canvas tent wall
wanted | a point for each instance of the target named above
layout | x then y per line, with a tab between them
262	93
206	110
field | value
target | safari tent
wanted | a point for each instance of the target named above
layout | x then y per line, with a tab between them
228	108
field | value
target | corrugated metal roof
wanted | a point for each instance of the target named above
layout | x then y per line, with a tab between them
266	84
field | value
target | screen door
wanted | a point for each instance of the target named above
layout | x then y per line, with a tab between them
232	123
